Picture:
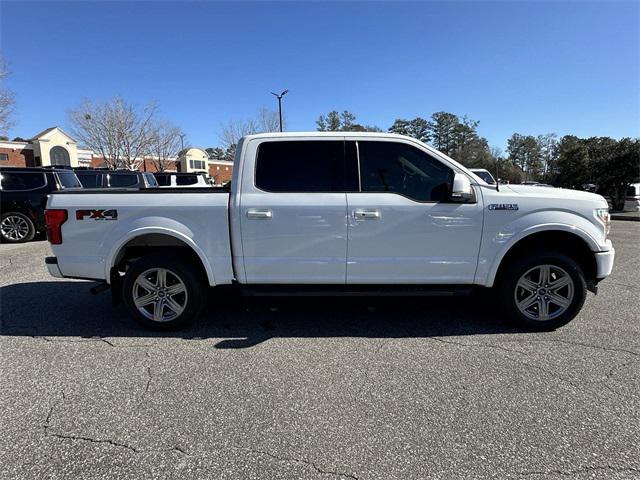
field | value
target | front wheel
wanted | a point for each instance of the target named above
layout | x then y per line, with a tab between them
163	292
543	291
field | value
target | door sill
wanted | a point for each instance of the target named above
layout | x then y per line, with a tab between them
357	290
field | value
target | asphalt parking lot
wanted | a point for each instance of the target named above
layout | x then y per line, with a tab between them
323	388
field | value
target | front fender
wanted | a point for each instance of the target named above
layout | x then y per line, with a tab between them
498	241
159	225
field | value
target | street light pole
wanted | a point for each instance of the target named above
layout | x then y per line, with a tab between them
279	97
182	135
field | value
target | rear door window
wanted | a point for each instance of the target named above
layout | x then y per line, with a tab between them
22	180
89	180
301	166
122	180
163	180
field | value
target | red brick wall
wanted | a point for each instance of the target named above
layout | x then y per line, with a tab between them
147	166
18	157
221	175
97	162
150	166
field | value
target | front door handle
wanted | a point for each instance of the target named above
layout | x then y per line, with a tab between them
256	214
366	214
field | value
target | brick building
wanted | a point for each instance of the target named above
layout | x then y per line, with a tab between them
55	147
50	147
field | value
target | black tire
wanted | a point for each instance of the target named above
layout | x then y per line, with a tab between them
508	291
178	268
13	235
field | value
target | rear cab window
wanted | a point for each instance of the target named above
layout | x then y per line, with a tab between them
19	181
186	179
122	180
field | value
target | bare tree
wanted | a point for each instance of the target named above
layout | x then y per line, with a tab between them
164	144
232	131
117	129
269	121
7	100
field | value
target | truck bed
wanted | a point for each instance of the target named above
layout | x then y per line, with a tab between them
102	221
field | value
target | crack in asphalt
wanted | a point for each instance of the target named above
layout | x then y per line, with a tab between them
619	284
303	461
107	441
92	339
147	385
83	340
588	468
94	440
479	345
582	344
48	433
564	379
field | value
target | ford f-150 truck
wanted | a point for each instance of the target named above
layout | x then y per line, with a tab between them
355	213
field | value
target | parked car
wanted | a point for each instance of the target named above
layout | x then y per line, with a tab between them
188	180
632	202
100	178
329	212
484	174
23	198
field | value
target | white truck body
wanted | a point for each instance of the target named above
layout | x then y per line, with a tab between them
252	236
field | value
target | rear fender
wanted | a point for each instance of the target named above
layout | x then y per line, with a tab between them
175	230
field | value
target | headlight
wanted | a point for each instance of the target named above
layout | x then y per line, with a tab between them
602	214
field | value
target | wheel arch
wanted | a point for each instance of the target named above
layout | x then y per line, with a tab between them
569	241
152	239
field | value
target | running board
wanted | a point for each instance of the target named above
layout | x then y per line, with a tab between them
357	290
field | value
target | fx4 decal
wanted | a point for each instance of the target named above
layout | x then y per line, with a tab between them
503	206
97	214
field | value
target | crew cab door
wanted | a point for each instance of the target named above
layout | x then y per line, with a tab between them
293	211
403	226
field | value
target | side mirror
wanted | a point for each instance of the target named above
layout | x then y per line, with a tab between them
461	191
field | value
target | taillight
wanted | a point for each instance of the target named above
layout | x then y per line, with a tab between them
53	220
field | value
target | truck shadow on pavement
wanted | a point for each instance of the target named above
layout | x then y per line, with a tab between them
66	309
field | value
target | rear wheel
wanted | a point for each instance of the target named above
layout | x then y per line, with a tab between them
543	291
163	292
16	228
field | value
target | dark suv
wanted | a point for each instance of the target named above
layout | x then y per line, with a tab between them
96	178
23	198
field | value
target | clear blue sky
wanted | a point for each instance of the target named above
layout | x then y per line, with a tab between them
517	67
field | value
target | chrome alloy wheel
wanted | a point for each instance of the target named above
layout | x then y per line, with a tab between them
160	294
14	228
544	292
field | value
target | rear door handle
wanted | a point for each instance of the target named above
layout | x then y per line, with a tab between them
366	214
256	214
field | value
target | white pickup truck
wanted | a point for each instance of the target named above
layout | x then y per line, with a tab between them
355	213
